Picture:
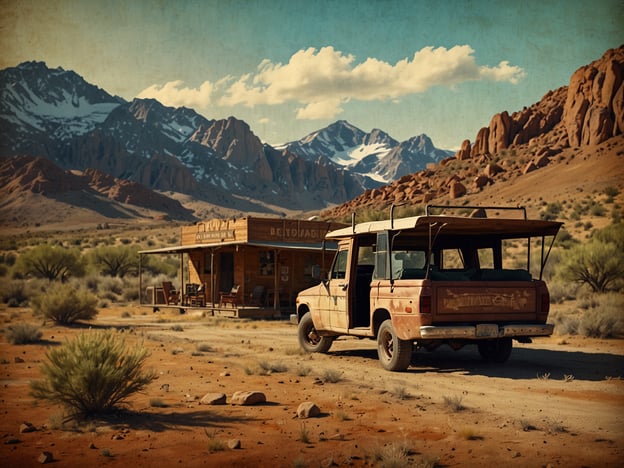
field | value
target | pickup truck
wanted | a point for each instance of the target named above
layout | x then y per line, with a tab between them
424	281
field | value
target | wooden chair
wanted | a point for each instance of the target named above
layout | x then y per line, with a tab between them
172	296
199	298
229	297
257	296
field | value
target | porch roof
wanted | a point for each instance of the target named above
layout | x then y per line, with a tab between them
263	244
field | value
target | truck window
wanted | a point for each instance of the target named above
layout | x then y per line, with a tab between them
366	255
409	264
339	269
486	257
381	256
451	259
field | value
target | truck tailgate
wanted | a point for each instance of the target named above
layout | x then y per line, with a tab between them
481	301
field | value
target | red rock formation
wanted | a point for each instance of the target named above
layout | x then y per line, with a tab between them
593	109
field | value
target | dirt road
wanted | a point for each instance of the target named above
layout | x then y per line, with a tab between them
557	402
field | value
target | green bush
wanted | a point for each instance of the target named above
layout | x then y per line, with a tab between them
23	333
596	316
65	305
93	374
13	293
604	318
50	262
599	263
116	260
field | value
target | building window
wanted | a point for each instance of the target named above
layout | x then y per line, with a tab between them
267	263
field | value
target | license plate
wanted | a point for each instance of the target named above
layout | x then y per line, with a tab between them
487	331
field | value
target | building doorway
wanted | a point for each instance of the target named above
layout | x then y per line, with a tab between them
226	271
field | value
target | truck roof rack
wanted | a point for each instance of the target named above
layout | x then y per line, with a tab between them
482	209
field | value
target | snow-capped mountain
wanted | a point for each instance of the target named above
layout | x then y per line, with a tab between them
376	154
56	114
41	106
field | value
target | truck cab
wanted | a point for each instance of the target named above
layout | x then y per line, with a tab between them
423	281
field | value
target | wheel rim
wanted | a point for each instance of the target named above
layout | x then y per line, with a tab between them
312	336
387	345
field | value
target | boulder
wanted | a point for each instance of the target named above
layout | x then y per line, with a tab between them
457	190
213	399
248	398
308	409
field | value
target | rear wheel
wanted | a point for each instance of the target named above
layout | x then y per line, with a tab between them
495	350
394	353
309	339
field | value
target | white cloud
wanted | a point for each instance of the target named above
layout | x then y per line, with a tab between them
174	94
322	80
327	109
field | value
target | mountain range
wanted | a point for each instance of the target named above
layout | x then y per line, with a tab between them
55	114
69	150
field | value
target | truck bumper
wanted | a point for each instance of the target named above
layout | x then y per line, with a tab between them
485	331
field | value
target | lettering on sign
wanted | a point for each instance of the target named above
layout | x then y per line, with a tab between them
302	234
215	235
512	301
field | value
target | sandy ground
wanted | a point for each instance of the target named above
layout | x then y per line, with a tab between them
556	402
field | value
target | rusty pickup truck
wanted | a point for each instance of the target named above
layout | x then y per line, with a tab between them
424	281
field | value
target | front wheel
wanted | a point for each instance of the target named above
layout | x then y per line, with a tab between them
394	353
495	350
309	339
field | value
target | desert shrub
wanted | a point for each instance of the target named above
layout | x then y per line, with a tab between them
65	304
604	319
23	333
8	258
116	261
454	403
611	191
110	285
13	293
566	322
597	210
552	211
561	291
395	454
599	263
50	262
166	265
92	374
597	316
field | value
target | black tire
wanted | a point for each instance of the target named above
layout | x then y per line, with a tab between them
309	339
495	350
394	354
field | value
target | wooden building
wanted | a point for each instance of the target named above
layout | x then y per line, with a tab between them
229	264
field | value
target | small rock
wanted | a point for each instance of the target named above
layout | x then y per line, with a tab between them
213	399
165	387
45	457
18	359
27	427
248	398
234	444
224	374
92	446
308	409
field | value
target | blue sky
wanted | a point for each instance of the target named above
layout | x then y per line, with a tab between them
290	67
